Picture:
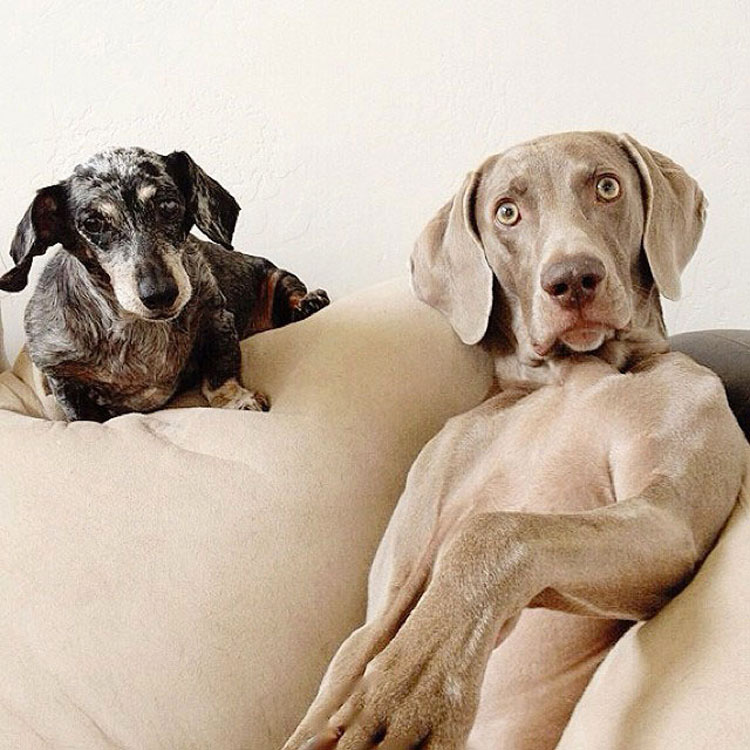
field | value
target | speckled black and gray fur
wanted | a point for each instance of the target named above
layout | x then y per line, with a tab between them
132	307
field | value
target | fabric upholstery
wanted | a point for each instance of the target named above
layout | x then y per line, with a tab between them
180	580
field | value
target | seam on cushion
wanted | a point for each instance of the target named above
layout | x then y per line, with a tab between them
149	426
724	337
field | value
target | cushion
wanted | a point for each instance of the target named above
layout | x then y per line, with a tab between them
181	579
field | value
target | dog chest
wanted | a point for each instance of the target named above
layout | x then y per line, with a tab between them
136	365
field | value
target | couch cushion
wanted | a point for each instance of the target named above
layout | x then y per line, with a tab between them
181	579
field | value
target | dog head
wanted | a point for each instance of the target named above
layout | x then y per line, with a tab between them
128	212
576	232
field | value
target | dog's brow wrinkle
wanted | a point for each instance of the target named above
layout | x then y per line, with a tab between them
107	207
519	185
145	191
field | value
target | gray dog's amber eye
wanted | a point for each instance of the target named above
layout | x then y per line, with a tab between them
608	188
508	213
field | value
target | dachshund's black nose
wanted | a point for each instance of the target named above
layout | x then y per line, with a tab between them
572	282
157	293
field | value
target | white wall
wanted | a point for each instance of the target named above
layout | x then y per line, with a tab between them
341	126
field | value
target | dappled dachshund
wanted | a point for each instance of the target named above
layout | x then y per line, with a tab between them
133	307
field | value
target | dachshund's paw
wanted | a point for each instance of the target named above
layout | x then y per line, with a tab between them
232	395
247	401
309	304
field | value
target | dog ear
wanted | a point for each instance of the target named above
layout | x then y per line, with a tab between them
449	269
675	213
209	206
43	225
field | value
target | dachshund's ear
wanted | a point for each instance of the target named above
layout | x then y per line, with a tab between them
44	224
675	212
209	206
449	270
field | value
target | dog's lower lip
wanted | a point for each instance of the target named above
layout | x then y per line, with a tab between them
543	348
584	338
161	317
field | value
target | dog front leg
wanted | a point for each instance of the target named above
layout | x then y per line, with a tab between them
623	561
423	689
220	360
289	299
76	401
294	300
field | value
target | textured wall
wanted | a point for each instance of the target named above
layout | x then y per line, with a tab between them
341	126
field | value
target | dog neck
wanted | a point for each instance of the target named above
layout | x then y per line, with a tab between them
508	342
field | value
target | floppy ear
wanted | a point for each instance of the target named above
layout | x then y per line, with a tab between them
209	206
449	270
675	215
43	225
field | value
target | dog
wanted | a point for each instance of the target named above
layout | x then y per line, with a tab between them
580	497
133	307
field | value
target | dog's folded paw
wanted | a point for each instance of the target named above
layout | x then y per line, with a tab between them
310	303
232	395
247	401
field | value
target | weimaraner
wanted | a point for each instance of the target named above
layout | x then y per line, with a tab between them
581	497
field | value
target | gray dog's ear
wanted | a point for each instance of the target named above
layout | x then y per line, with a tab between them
209	206
44	224
449	270
675	215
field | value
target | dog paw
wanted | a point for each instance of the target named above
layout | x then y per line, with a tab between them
247	401
232	395
309	304
414	694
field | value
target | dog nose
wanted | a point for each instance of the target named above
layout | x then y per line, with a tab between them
157	294
572	282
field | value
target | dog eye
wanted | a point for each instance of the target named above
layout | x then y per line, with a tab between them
508	213
608	188
169	209
93	225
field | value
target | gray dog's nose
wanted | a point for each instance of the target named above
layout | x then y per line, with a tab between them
572	282
157	293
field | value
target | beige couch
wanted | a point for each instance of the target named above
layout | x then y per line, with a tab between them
180	580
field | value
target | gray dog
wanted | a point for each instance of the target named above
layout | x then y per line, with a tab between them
135	308
582	496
